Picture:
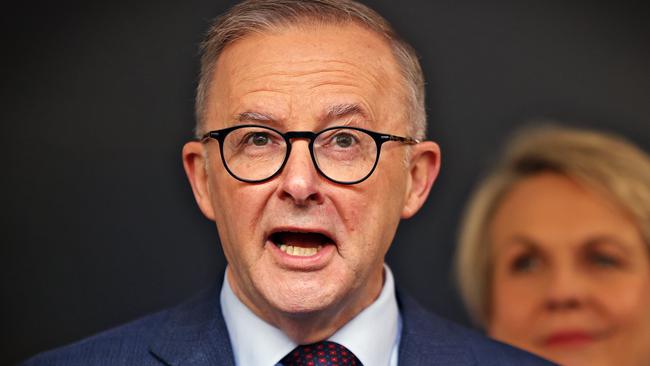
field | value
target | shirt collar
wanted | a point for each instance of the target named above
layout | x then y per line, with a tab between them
372	335
254	341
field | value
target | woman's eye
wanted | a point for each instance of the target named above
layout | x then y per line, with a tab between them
604	260
344	140
524	263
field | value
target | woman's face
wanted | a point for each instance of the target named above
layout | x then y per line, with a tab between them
571	277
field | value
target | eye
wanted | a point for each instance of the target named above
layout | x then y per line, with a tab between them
259	138
524	263
603	260
344	140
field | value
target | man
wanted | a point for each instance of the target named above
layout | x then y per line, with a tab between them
310	116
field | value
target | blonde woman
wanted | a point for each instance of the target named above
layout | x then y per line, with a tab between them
554	252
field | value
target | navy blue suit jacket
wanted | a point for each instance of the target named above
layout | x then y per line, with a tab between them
195	334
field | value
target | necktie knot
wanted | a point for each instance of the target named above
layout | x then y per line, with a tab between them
323	353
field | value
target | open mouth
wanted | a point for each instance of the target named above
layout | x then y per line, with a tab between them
299	243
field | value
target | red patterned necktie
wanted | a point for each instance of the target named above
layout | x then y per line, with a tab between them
321	354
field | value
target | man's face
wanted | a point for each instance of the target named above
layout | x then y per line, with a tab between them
309	78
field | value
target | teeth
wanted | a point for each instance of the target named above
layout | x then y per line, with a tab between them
300	251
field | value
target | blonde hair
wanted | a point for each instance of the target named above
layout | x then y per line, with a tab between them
603	162
256	16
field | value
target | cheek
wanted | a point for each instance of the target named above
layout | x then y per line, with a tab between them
513	305
628	303
234	199
352	209
358	218
369	221
628	310
238	208
379	198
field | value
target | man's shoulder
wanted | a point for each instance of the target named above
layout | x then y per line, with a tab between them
127	344
174	334
428	339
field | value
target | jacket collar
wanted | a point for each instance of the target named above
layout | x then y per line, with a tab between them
428	339
194	334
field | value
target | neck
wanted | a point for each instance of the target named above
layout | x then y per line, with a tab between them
318	325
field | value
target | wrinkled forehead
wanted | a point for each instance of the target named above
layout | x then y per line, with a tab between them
308	58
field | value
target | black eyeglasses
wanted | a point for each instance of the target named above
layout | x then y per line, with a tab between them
344	155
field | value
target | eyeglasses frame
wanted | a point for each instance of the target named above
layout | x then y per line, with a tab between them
379	138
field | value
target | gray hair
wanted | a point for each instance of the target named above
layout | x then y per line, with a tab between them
603	162
256	16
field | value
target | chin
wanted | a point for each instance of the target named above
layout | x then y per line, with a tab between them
576	360
304	297
587	356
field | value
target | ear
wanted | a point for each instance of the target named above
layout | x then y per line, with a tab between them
424	165
195	164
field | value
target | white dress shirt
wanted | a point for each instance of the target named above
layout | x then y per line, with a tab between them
373	335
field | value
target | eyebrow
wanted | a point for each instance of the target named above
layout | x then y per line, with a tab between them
332	112
607	239
255	117
523	240
515	241
343	110
592	241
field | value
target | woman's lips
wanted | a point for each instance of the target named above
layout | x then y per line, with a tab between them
569	339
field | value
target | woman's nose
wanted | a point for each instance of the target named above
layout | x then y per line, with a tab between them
567	288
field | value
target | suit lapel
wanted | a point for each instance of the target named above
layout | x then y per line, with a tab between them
195	334
427	339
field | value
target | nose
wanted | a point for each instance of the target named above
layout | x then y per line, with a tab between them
300	182
567	289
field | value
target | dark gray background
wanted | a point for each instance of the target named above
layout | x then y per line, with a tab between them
98	223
